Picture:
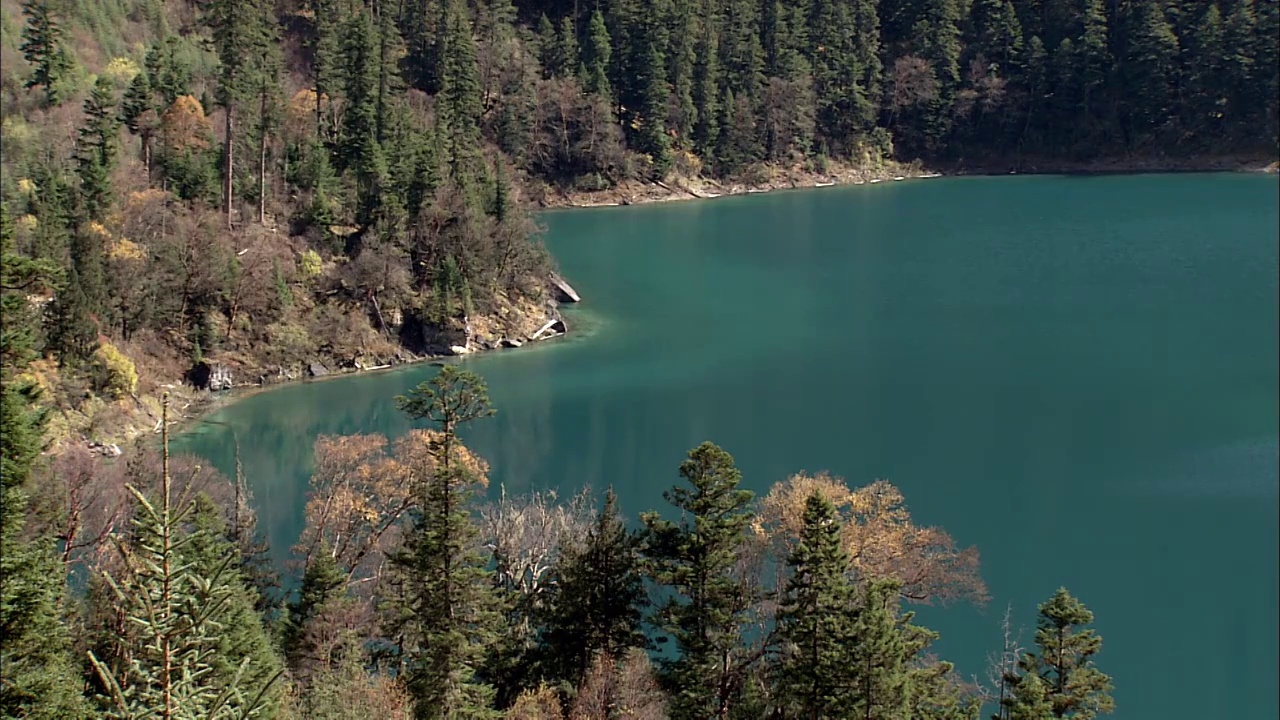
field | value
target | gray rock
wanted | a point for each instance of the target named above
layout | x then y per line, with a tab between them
510	343
317	370
564	291
220	378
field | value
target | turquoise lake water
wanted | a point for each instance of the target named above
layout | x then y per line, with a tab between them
1077	375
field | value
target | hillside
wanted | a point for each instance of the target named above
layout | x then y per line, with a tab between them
242	187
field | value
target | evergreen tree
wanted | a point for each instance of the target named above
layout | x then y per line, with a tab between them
243	31
706	88
243	652
883	646
598	599
38	678
42	46
1061	673
1029	701
597	52
1241	60
1151	70
815	620
460	105
180	612
652	137
696	560
322	581
564	58
96	148
451	608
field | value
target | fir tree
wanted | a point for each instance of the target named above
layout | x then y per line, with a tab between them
180	612
96	148
243	31
1062	666
450	612
696	561
597	601
38	678
322	581
815	620
597	53
460	106
42	46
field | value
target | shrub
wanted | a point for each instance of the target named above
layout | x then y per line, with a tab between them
311	264
114	373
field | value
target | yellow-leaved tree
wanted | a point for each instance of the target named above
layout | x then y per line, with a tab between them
882	541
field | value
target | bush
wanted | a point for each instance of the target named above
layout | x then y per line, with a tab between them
114	373
311	264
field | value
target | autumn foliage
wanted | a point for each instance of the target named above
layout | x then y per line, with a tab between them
879	535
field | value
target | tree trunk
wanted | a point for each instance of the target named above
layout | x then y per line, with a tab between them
262	164
227	165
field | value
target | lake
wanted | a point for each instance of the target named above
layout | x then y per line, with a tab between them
1076	375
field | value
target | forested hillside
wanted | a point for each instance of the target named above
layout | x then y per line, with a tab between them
189	186
260	185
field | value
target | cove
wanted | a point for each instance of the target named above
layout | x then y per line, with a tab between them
1077	375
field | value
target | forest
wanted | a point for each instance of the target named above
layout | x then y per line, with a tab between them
259	185
421	596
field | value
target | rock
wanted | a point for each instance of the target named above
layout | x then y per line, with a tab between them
553	327
459	349
220	379
564	291
510	343
113	450
315	369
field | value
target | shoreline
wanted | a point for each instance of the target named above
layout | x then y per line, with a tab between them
202	403
796	178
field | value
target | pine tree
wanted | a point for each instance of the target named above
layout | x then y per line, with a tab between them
180	612
1241	60
695	560
460	106
565	57
597	53
997	34
243	31
598	600
1071	685
1029	701
322	581
882	648
43	47
450	608
243	651
38	677
815	620
96	148
1151	69
706	87
652	138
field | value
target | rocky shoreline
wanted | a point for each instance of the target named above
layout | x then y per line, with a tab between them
484	334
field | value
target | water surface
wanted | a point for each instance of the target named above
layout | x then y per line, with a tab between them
1078	375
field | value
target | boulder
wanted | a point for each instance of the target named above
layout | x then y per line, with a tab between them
220	378
510	343
553	327
459	349
315	369
564	291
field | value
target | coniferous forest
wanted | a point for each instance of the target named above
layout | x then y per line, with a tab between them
421	598
256	185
